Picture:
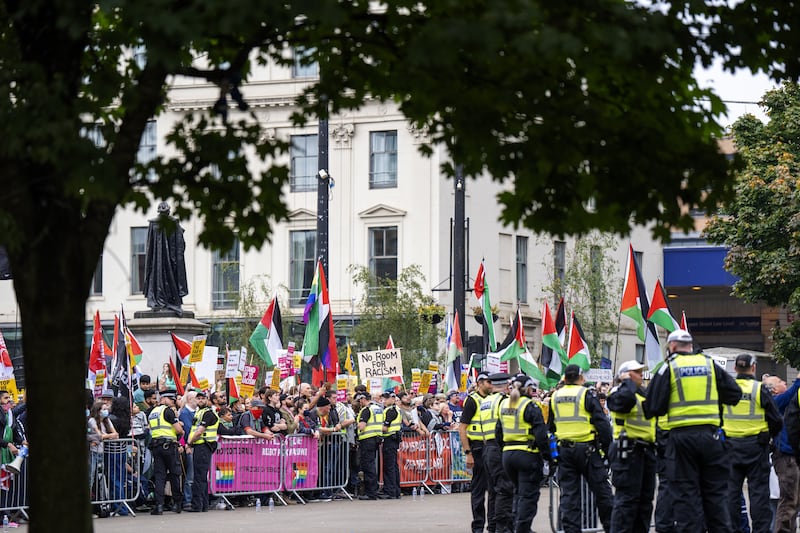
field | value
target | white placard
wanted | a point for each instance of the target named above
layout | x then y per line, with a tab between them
380	364
232	365
597	375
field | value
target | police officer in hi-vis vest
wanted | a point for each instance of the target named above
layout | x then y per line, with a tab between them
391	444
476	426
370	430
165	428
687	393
633	454
522	433
584	435
203	443
748	427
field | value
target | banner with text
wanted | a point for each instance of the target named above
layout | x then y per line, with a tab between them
380	364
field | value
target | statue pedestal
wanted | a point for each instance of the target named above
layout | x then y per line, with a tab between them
152	330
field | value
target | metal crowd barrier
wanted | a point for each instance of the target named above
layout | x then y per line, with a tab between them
413	460
590	521
247	466
317	464
116	478
448	463
15	496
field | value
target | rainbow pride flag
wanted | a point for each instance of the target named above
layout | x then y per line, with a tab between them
224	475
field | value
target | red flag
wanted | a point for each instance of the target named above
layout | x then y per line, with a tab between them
684	324
390	343
97	359
183	347
193	379
7	370
176	376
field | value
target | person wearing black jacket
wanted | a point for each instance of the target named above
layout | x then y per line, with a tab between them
688	393
748	428
583	431
633	455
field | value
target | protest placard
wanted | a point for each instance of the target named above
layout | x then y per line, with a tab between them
380	364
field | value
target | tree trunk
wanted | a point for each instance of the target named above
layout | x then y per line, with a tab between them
51	280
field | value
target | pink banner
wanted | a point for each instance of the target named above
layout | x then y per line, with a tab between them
301	462
246	464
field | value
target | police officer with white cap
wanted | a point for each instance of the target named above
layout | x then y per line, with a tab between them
688	393
632	456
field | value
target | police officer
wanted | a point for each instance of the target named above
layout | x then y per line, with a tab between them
203	443
477	425
584	435
688	392
633	457
522	433
493	462
370	429
391	444
748	426
165	428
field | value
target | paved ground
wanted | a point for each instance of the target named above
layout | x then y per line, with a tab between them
440	513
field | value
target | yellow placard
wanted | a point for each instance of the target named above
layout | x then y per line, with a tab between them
198	345
184	374
203	384
463	386
341	383
276	380
433	366
99	378
10	386
298	362
425	384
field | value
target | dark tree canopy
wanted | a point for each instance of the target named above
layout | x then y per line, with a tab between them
589	108
761	225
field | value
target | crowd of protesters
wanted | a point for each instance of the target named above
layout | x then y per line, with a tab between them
118	434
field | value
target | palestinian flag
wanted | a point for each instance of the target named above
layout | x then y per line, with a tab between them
684	323
515	347
319	341
551	342
578	348
394	382
660	313
455	352
267	338
635	306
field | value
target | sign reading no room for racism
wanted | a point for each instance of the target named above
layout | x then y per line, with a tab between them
379	364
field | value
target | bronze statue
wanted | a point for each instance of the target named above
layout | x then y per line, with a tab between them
165	269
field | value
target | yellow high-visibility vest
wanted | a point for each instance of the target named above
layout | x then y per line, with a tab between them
693	399
517	434
210	434
747	418
374	427
635	424
159	427
573	421
483	423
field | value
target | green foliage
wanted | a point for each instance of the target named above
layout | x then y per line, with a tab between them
761	225
591	287
391	307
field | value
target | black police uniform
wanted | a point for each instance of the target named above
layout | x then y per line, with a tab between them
368	458
524	468
633	471
749	458
500	481
202	462
391	445
696	463
166	467
478	485
585	460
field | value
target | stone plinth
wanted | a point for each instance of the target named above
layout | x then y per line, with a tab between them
152	330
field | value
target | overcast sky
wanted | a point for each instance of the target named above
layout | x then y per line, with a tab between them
740	87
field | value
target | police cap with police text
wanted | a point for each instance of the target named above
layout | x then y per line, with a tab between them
500	378
483	374
745	360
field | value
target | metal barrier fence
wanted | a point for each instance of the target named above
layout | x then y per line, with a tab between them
589	517
413	460
115	476
247	466
448	463
16	497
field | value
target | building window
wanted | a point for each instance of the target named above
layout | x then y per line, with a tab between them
97	280
304	163
225	278
639	256
302	68
559	264
382	159
383	253
522	269
640	353
147	145
138	254
302	261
